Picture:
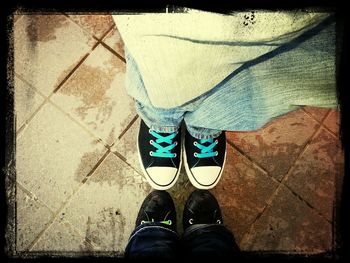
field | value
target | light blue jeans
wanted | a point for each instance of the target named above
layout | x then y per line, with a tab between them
299	73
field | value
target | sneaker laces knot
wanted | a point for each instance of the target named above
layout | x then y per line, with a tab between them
163	151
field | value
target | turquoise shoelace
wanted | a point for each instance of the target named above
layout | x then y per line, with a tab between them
163	152
206	151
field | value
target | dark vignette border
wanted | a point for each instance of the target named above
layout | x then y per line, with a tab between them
8	186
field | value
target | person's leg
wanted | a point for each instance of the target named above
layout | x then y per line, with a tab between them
159	137
205	235
155	234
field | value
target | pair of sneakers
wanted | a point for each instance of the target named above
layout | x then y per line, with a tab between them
158	207
161	154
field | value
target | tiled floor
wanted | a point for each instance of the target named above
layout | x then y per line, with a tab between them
78	180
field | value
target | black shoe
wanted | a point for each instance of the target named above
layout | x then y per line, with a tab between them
158	207
204	160
160	156
201	208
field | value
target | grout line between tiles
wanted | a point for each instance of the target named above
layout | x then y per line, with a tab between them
29	84
95	166
75	191
105	144
77	232
70	73
311	116
107	32
32	195
113	51
318	129
331	132
248	158
120	156
257	167
128	126
307	204
87	31
26	123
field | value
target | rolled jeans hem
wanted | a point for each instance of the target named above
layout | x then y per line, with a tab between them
204	134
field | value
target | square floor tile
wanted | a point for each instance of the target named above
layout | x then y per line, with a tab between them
31	218
61	237
276	146
242	192
105	208
53	156
313	175
289	226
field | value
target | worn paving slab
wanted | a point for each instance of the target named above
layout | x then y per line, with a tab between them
242	192
276	146
105	209
32	216
313	175
95	95
54	155
289	226
47	48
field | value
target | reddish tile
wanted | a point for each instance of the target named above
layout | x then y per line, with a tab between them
276	146
316	112
332	122
95	24
289	225
313	176
242	192
114	40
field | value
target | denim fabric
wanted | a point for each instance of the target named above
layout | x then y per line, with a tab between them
199	241
152	241
299	73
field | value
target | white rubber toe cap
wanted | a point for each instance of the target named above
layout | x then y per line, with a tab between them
162	178
205	177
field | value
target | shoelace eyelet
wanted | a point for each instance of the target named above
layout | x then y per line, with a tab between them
218	221
151	142
151	153
190	221
216	153
195	143
195	154
175	155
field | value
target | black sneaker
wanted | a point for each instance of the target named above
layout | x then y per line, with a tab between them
160	156
201	208
204	160
158	207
